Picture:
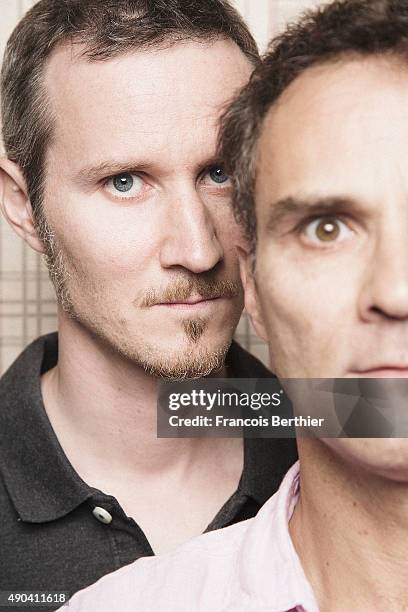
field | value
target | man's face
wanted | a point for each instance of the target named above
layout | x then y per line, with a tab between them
332	209
138	209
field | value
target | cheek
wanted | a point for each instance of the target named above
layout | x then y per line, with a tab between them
298	301
307	312
105	242
229	233
106	253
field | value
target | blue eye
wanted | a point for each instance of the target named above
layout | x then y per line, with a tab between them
123	182
125	186
218	175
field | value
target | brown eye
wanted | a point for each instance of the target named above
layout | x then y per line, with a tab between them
327	229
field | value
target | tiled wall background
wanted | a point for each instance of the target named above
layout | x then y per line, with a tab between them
27	306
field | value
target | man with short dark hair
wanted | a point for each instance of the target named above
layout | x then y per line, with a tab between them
318	143
110	114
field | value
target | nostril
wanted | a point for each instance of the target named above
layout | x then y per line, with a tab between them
387	315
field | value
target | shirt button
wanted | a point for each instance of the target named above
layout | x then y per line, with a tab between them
102	515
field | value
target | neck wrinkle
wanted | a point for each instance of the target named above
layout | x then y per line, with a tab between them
349	530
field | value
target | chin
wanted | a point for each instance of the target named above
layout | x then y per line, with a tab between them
178	365
192	351
179	358
384	457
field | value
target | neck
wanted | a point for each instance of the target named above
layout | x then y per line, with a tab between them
349	529
103	410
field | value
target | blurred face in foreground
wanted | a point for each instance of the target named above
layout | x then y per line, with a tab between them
139	230
330	290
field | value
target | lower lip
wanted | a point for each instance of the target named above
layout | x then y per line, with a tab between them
383	373
191	307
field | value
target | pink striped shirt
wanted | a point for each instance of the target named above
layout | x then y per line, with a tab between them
249	567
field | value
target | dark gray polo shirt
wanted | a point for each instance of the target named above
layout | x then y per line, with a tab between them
50	538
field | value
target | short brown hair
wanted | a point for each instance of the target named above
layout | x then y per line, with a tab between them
340	29
105	28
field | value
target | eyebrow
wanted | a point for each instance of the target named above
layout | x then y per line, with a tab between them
300	207
94	172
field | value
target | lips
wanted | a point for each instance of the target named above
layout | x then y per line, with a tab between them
190	291
190	302
385	371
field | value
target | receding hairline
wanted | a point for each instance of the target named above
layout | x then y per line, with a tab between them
77	51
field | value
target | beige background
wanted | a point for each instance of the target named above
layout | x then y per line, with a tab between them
27	306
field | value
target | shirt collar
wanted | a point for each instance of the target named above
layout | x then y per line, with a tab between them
265	460
38	476
270	570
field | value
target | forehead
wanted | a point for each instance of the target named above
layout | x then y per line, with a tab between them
338	128
153	99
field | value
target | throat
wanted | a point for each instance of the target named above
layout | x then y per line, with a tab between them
172	508
349	530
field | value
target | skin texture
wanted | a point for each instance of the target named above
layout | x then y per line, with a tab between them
336	305
122	267
171	236
330	294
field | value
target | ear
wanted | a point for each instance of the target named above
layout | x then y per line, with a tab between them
15	204
252	306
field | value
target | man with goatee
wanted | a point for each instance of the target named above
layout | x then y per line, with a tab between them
110	116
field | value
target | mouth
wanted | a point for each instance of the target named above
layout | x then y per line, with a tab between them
384	371
192	303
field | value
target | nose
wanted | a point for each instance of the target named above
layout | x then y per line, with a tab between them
190	238
385	291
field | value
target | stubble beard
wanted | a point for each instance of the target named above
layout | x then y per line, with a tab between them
190	362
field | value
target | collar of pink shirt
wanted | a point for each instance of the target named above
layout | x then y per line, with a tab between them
249	567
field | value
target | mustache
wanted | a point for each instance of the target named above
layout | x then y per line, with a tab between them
179	290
